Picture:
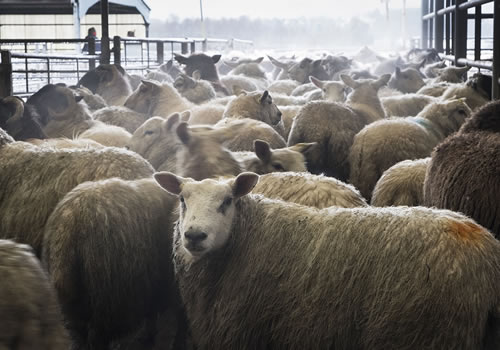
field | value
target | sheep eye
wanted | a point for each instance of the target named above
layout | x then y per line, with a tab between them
227	201
181	199
278	167
148	132
461	111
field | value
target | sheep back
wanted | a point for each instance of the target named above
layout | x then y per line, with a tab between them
34	179
365	278
401	184
29	314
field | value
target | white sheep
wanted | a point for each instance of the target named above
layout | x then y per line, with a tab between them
257	273
333	126
385	142
284	87
194	89
34	179
401	184
120	116
406	105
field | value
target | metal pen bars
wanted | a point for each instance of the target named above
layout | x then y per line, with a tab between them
444	27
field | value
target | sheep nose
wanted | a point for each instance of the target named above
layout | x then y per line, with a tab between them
195	236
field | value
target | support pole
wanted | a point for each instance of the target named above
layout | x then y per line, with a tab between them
496	51
105	54
460	35
438	26
5	74
425	25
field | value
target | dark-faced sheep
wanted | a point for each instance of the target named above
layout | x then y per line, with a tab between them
301	71
110	81
21	121
334	125
464	173
401	184
194	88
382	144
256	273
29	314
34	179
107	251
407	80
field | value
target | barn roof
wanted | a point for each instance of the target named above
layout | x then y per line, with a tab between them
66	7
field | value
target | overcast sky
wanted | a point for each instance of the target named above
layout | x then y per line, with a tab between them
269	8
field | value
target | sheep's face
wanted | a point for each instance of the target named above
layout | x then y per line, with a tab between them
201	62
302	70
333	91
279	160
406	81
457	111
268	111
183	83
207	210
142	99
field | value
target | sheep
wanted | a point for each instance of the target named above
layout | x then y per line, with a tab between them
451	74
107	135
284	87
29	314
206	65
157	75
385	142
21	121
121	273
475	97
172	68
258	106
120	116
288	114
284	177
336	65
301	71
463	174
334	125
66	143
257	273
333	91
239	134
93	101
226	66
407	80
430	70
281	68
285	100
34	179
366	55
194	89
235	83
434	90
110	81
301	90
401	184
249	68
155	140
406	105
387	65
155	99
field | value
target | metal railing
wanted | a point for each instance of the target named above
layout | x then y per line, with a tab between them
444	27
27	65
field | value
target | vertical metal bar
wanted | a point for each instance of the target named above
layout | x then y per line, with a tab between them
425	25
26	74
147	50
105	54
460	34
48	70
193	46
431	24
171	50
160	53
5	74
142	53
477	33
496	51
125	52
77	70
448	29
184	48
438	26
117	53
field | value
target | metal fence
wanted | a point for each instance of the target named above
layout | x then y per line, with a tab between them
445	28
27	65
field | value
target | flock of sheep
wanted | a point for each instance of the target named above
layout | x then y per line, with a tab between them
335	202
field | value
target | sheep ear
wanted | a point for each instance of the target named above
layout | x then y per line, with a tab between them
264	96
317	63
383	80
237	90
244	183
183	133
196	74
216	58
151	84
120	69
349	81
185	116
316	81
181	59
277	63
262	150
303	147
78	98
170	182
258	60
172	120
